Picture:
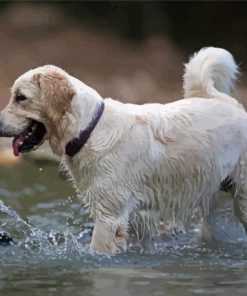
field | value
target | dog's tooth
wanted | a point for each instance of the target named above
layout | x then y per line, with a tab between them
26	137
34	127
20	143
29	134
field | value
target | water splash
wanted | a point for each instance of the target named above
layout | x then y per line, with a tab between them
12	213
50	243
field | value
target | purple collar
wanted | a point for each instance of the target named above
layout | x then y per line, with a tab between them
75	145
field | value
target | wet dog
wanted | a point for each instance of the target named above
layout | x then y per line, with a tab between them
150	166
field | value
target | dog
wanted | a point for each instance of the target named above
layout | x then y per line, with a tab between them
151	165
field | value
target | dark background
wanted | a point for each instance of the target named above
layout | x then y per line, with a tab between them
132	51
190	25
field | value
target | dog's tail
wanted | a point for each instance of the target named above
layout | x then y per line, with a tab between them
209	72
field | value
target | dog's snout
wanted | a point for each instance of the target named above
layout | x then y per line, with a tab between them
3	132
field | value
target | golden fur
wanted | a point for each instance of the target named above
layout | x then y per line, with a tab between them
143	164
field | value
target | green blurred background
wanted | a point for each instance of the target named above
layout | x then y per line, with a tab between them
132	51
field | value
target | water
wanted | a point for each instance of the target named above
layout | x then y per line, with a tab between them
7	210
50	255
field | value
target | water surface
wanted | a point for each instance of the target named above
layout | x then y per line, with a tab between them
50	254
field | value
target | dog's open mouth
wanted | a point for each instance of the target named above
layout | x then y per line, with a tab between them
30	138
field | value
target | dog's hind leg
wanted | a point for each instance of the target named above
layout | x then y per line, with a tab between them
239	192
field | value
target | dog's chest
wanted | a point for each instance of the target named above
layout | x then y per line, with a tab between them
82	169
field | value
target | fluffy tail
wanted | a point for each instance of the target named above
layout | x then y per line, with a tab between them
210	71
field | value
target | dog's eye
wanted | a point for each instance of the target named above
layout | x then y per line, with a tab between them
20	98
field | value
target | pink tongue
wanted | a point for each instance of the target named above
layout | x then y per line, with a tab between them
16	144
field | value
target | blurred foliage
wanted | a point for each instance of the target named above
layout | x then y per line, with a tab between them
191	25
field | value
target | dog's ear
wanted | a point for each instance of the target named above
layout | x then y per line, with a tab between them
56	92
54	84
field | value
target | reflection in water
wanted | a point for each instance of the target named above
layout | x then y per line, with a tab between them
51	252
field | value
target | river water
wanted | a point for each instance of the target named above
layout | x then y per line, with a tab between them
50	254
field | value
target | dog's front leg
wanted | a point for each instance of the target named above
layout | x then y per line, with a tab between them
109	236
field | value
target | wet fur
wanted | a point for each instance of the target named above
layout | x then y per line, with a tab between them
143	164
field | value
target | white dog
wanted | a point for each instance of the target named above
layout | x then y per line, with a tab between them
138	164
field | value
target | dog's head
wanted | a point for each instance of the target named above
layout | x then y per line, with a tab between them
39	100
